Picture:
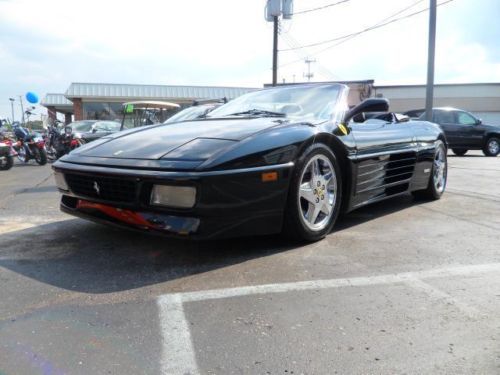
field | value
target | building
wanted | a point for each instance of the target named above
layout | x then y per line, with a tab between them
104	101
481	99
57	103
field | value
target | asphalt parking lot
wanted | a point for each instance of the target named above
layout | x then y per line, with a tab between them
399	287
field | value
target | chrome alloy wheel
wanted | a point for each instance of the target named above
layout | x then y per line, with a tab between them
317	193
493	146
439	170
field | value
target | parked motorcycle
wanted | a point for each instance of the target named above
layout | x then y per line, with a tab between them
6	157
29	146
60	143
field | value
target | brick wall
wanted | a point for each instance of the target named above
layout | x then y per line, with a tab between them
51	112
78	109
67	118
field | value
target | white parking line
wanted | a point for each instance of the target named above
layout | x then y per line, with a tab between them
177	351
178	356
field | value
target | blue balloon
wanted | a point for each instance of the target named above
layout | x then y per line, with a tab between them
31	97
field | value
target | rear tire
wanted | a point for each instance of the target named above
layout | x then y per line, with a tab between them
438	177
315	195
459	151
41	156
492	146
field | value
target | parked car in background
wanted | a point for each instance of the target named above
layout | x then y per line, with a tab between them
90	130
466	132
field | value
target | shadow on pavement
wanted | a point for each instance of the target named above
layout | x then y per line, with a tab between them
78	255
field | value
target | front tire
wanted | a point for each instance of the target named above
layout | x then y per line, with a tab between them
315	195
438	177
7	164
492	146
459	151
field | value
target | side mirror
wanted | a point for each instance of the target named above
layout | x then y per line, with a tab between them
367	105
479	121
94	129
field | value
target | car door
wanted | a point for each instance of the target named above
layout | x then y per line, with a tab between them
447	121
470	134
385	159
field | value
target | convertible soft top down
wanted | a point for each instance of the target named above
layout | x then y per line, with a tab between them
282	159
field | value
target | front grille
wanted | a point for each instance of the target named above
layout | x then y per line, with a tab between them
105	188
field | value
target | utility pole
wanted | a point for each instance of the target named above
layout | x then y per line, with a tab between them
273	11
12	107
275	50
309	75
22	109
429	95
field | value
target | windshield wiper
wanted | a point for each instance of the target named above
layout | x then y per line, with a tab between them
259	112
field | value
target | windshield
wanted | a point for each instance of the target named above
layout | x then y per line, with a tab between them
188	114
109	126
143	117
82	126
319	102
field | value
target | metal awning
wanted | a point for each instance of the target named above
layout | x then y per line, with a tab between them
151	104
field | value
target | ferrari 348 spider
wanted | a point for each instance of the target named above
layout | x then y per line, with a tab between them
284	159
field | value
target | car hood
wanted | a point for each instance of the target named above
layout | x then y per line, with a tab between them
161	141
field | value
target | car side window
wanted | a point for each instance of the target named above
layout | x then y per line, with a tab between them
444	117
463	118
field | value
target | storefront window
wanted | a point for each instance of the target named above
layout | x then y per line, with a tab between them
102	111
114	112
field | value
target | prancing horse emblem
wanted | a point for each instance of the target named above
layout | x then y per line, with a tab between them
97	188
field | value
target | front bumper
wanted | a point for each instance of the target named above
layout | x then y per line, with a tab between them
230	203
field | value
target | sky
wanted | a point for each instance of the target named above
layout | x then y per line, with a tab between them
47	44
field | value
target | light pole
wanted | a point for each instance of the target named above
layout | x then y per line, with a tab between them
22	109
12	107
429	94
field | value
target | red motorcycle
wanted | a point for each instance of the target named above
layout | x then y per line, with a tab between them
6	155
30	146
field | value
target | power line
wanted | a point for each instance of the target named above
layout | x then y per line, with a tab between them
320	8
345	38
292	42
375	26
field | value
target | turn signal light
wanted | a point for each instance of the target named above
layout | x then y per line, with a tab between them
269	176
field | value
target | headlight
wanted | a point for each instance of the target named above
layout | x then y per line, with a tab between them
173	196
60	181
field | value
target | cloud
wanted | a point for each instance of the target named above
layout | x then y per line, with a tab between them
46	45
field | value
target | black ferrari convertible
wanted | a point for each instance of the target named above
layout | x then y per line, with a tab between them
284	159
